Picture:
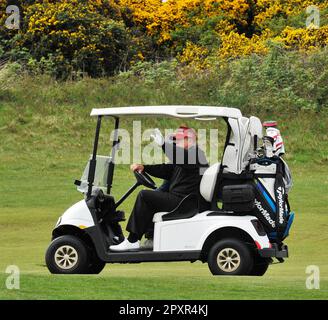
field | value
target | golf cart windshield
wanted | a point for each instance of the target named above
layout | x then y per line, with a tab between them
100	180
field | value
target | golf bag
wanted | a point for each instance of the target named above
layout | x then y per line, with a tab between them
261	191
272	181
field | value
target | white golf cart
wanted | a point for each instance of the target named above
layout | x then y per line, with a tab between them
241	238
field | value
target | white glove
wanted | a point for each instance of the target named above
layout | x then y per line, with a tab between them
157	137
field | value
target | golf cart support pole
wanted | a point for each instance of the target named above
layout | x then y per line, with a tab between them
93	161
135	186
111	165
214	204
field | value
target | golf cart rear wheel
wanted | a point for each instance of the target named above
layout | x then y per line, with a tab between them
230	257
67	255
260	267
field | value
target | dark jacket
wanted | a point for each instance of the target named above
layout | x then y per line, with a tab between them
184	171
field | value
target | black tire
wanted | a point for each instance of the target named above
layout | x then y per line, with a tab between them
241	258
74	248
95	264
260	267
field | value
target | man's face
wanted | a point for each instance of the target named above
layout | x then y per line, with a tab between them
185	137
185	142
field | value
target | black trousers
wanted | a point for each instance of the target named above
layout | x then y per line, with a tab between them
147	204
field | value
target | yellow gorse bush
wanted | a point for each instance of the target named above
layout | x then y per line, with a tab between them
161	18
86	36
267	9
195	56
244	27
304	39
107	35
236	45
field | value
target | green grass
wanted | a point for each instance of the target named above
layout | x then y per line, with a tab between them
162	282
46	138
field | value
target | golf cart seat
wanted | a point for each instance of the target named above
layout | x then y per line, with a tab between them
210	176
187	208
212	181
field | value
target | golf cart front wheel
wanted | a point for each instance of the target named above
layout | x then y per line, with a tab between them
230	257
67	255
96	265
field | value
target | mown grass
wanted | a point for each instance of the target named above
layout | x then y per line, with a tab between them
173	282
25	234
46	137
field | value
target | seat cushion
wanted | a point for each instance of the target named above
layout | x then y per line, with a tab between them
187	208
208	182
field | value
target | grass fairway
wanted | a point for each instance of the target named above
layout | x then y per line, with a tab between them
28	213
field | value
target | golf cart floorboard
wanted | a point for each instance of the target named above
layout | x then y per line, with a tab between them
151	256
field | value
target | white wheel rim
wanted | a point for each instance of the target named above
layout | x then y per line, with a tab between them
66	257
228	260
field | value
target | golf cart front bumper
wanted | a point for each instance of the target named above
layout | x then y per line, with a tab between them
274	252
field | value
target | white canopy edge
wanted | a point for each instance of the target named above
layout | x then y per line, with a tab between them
178	111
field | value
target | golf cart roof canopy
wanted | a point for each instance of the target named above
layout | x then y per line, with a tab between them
193	112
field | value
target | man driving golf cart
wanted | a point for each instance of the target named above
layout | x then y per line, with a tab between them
164	143
239	238
184	176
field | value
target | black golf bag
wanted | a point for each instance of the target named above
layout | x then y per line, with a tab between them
261	191
271	204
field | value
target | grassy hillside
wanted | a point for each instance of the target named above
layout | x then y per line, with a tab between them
46	136
289	87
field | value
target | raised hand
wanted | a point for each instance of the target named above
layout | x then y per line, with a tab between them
157	137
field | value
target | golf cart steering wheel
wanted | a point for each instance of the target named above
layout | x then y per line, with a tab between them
144	179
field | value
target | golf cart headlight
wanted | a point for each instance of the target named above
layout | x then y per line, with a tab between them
58	222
